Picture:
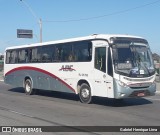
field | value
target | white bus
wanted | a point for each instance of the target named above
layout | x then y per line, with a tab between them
112	66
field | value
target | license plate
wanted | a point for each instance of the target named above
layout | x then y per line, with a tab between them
142	94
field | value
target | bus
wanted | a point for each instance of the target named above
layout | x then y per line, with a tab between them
103	65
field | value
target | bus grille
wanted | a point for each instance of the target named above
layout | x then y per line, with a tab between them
139	87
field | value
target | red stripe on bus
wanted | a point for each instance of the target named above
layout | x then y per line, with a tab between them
42	71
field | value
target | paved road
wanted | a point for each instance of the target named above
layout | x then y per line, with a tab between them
158	87
53	108
1	76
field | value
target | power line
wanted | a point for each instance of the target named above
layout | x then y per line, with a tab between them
30	9
102	16
35	16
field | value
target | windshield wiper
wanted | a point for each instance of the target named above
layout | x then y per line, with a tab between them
138	61
146	68
143	66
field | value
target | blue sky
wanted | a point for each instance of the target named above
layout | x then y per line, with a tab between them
136	17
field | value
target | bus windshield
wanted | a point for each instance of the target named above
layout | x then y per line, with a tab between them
133	60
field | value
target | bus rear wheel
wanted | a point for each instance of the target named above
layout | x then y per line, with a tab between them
85	94
28	87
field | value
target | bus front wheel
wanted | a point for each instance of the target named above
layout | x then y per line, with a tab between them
85	94
28	87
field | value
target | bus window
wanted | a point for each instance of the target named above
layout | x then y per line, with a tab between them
23	56
13	57
56	55
82	51
62	52
46	53
100	58
8	57
71	57
36	56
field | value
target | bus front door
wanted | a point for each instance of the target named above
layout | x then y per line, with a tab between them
102	81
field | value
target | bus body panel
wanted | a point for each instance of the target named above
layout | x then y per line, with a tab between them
41	79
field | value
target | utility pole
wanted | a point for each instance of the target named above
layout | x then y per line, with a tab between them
40	25
36	17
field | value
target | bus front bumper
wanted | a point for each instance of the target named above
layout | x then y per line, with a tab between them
124	91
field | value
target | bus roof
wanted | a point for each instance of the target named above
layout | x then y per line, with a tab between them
94	36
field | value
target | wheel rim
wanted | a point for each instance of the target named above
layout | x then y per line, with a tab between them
28	87
85	93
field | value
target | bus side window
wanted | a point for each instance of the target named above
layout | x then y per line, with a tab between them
8	57
46	53
63	53
29	58
13	57
22	56
100	58
56	54
71	57
82	51
34	55
26	56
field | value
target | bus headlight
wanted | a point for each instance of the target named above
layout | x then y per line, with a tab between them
122	84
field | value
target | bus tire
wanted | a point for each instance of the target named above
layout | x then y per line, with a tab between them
28	87
85	93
